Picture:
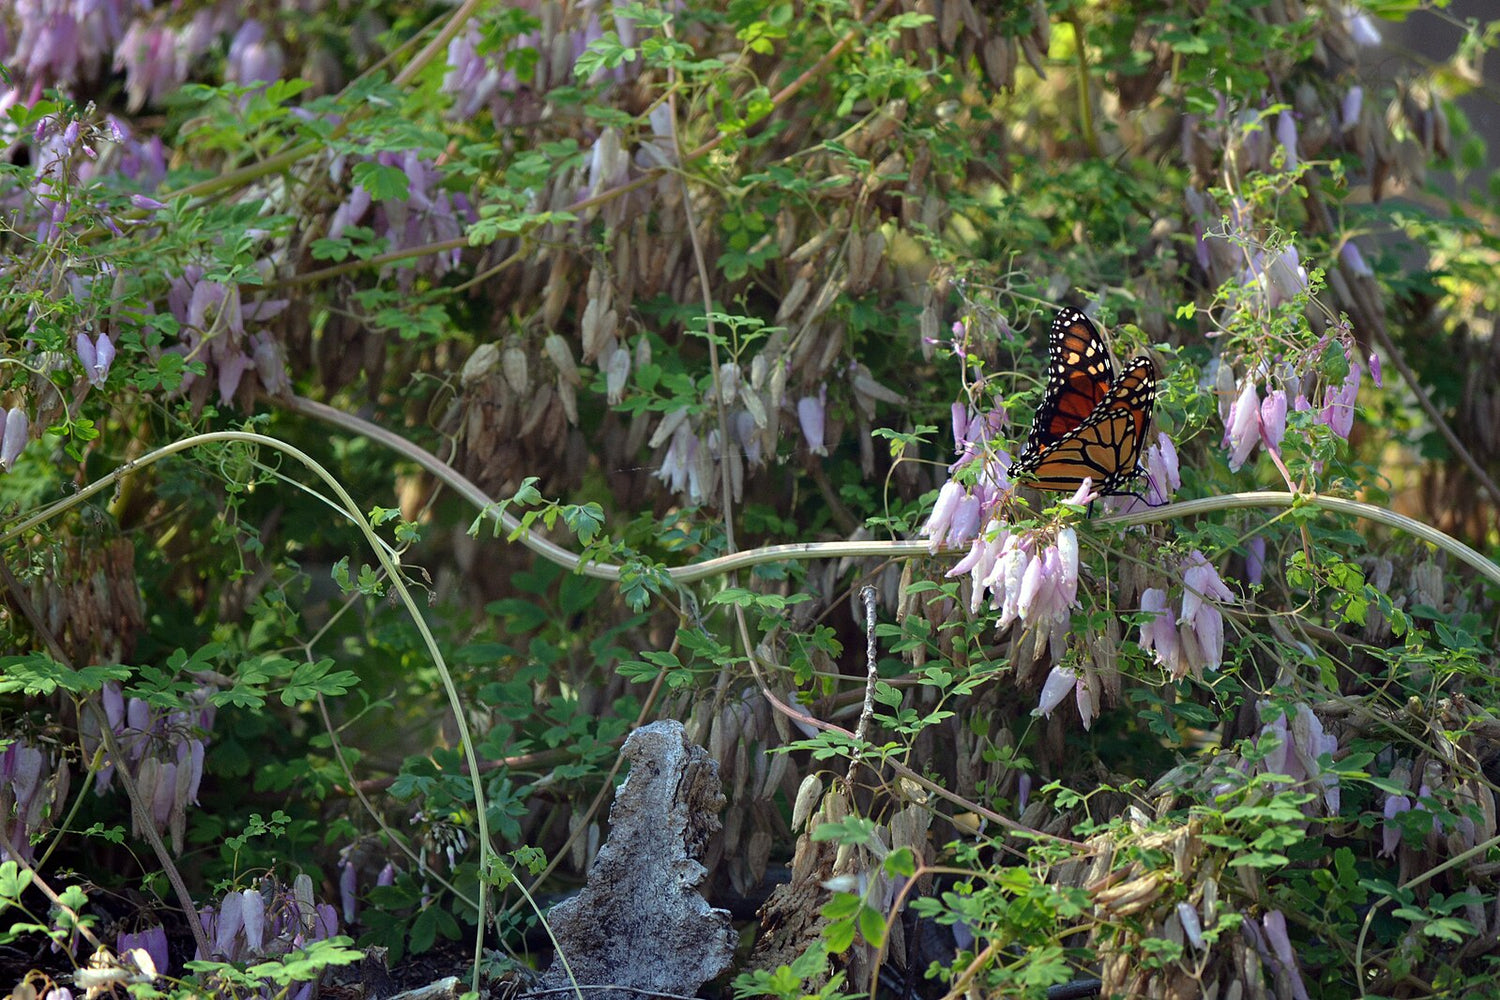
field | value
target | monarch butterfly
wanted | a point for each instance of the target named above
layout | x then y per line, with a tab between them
1090	424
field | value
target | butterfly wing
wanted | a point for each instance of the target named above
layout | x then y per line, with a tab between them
1107	446
1079	374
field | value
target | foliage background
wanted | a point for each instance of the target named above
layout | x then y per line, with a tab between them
690	280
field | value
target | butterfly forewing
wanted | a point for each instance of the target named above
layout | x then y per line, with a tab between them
1079	374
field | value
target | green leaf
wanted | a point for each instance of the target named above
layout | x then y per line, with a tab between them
854	830
872	926
39	674
13	881
838	937
384	183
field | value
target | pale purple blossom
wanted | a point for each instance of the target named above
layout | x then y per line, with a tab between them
1192	928
1354	260
1023	791
230	919
1194	638
1162	470
253	57
938	522
1159	634
1059	683
153	939
1361	26
268	919
966	520
1279	758
269	360
1027	578
1337	411
1375	369
1201	619
14	431
679	466
348	886
96	355
617	373
253	919
812	415
1083	697
1242	430
1350	107
155	55
1254	142
1296	749
1274	925
1286	276
1273	419
1309	743
1279	276
1255	559
1390	835
1085	494
1286	135
426	213
24	769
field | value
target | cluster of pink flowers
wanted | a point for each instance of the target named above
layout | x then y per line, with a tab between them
48	43
268	920
1423	802
1192	639
427	214
31	784
978	480
1271	941
163	749
349	881
1278	277
1062	681
214	320
476	80
1029	576
1253	420
1298	745
152	938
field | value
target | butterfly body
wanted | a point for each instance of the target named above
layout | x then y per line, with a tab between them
1090	424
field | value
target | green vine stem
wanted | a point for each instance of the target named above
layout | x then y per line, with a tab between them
889	548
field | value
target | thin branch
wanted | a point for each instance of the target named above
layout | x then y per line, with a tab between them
829	550
46	890
862	728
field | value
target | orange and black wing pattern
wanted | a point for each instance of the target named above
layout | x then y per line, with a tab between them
1079	374
1105	446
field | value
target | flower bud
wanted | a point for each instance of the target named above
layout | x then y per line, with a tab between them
1059	682
13	438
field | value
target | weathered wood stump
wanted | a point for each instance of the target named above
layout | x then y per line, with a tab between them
639	923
